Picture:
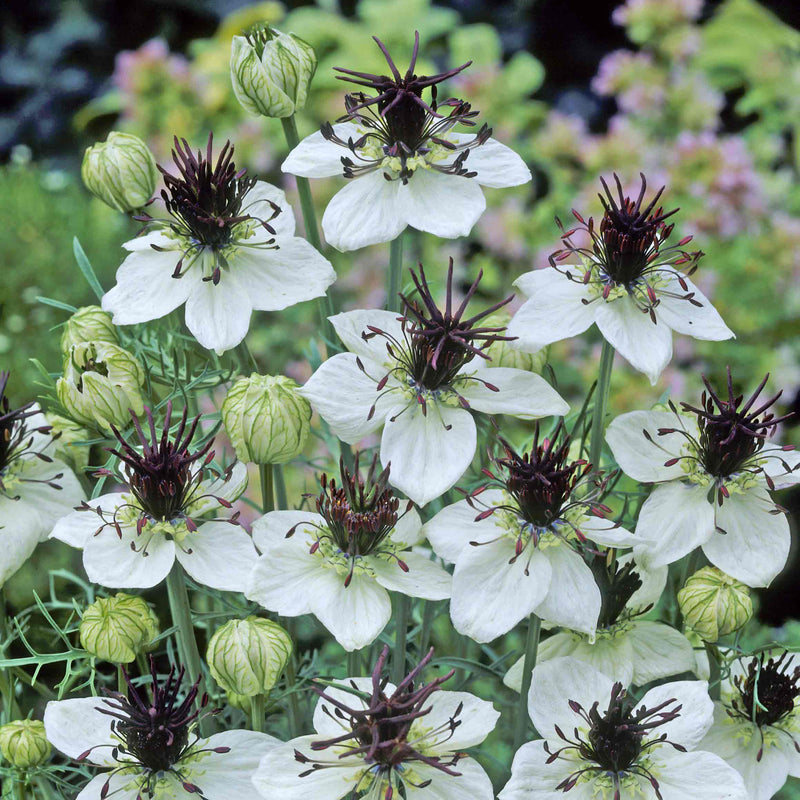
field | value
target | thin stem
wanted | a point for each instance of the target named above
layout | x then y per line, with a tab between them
714	671
122	686
280	487
600	405
11	709
531	650
428	613
43	785
395	272
257	713
267	487
247	361
401	623
295	716
354	664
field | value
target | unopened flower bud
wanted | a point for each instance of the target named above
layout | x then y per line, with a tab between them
88	324
116	629
101	385
504	354
247	656
713	604
271	72
266	419
23	743
68	440
121	171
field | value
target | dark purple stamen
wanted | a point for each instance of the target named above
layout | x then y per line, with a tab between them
767	692
617	584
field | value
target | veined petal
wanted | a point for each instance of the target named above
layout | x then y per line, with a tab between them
699	775
610	652
219	316
257	204
120	786
316	157
777	463
349	325
533	775
75	726
472	783
20	529
51	504
77	528
477	720
702	322
516	392
658	651
270	530
408	530
219	555
653	583
228	488
497	165
429	449
605	532
557	645
160	238
646	346
423	579
696	714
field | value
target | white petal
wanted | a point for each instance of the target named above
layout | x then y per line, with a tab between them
520	394
145	288
367	211
408	530
277	279
701	776
228	487
658	651
349	326
605	532
78	527
271	529
756	544
497	165
696	714
556	646
646	346
554	309
573	599
258	205
703	322
477	720
675	519
471	784
428	452
343	395
454	527
444	205
643	459
160	238
118	786
776	467
423	579
219	555
75	726
534	778
218	316
490	594
316	157
653	583
20	531
50	504
610	653
326	723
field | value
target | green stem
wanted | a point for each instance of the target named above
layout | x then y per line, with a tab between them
295	717
43	785
257	713
354	664
122	687
401	623
531	650
395	273
427	623
267	487
714	671
247	361
600	405
11	709
280	487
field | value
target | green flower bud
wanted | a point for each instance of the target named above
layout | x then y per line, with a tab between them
271	72
240	701
266	419
247	656
88	324
120	171
24	744
118	628
68	437
101	383
504	355
713	604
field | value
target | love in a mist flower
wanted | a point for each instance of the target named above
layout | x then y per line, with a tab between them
226	248
404	162
36	489
713	468
149	745
757	722
625	281
130	539
341	562
383	742
517	543
599	743
419	376
632	649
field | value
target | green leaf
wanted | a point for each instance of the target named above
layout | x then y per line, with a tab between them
86	268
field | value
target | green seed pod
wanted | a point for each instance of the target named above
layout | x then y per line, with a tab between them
24	744
118	628
247	656
88	324
504	355
266	419
101	383
120	171
713	604
67	437
271	72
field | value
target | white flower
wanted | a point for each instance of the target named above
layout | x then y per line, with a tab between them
384	741
599	743
517	549
712	467
151	748
338	564
404	163
626	283
418	377
634	650
36	489
757	722
131	539
229	248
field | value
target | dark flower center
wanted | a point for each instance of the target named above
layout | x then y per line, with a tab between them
768	691
617	585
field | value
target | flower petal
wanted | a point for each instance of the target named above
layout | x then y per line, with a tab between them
497	165
533	775
316	157
20	532
658	651
112	561
556	646
257	205
281	578
349	325
696	714
701	322
408	530
228	487
429	448
423	579
477	719
325	720
77	528
699	775
782	466
271	529
219	555
219	316
120	786
516	392
472	783
36	492
75	726
605	532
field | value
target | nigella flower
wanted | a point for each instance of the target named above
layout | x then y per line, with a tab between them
36	489
518	543
599	742
131	539
419	376
712	467
757	722
633	649
405	164
228	247
626	281
339	563
384	742
149	742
